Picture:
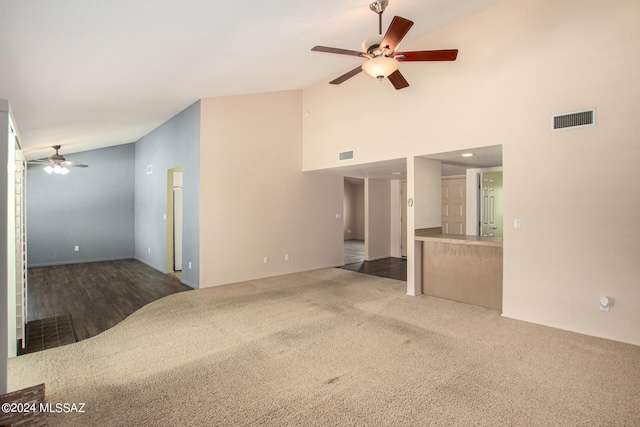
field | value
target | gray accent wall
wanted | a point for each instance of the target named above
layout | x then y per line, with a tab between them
173	144
92	208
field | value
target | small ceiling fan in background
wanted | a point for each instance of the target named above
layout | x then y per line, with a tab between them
382	58
57	164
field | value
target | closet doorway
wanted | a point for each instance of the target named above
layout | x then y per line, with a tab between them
174	221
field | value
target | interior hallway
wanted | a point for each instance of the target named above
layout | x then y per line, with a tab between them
353	251
391	268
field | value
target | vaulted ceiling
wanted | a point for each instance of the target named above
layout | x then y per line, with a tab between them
89	74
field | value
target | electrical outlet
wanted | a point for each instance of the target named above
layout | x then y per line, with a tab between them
266	260
286	257
77	248
189	265
149	250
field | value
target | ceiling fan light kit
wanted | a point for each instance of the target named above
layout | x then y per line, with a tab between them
57	164
381	58
380	67
57	169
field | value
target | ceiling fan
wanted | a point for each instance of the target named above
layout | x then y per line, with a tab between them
57	164
382	58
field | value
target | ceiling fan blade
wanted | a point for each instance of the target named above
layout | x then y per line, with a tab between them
346	76
73	164
427	55
397	30
337	51
38	162
397	80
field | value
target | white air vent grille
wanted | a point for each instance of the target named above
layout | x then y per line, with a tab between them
346	155
573	120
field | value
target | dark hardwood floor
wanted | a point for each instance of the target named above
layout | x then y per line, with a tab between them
97	295
392	268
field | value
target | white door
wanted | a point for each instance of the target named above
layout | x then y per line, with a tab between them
491	204
177	229
454	206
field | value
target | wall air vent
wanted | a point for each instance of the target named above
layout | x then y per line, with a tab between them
346	155
574	120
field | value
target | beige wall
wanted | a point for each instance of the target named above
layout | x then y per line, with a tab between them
348	207
254	199
395	205
353	211
427	194
576	191
377	206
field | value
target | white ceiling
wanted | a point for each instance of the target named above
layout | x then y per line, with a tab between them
454	163
89	74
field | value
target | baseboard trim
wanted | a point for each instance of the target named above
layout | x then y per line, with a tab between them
52	264
161	270
191	285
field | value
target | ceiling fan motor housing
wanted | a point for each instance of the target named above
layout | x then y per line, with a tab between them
372	49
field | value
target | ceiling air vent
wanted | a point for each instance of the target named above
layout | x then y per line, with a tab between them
346	155
574	120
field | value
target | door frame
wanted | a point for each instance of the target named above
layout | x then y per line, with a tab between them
169	219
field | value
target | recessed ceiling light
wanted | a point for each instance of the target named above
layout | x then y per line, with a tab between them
467	155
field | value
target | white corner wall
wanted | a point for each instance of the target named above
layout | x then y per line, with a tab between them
576	191
6	246
255	201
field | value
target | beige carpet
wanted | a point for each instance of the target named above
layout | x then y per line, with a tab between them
333	347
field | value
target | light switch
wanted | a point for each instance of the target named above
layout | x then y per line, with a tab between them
517	223
77	248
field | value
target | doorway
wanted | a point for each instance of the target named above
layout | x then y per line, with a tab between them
403	219
174	221
353	216
491	200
